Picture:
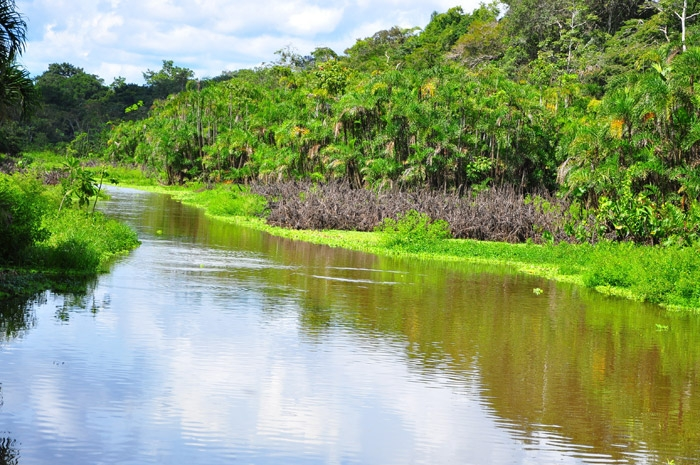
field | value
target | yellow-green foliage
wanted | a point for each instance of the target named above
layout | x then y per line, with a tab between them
226	200
414	232
83	243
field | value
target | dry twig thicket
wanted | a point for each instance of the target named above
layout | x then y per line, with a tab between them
498	214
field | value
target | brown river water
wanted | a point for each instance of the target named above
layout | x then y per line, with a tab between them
214	344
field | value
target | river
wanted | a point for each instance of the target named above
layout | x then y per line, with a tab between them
214	344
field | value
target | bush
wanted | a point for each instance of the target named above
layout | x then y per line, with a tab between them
671	275
668	275
22	207
82	242
614	265
414	231
72	255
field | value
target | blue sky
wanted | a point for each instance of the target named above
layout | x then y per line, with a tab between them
112	38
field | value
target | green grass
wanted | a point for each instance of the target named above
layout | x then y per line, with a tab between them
82	243
223	200
130	176
79	246
46	160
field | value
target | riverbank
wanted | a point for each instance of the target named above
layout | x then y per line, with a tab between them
668	276
46	247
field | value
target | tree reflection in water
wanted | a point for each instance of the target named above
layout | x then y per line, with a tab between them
17	316
9	451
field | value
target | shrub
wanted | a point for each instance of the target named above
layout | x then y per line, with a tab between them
414	231
613	265
82	243
21	210
498	214
72	254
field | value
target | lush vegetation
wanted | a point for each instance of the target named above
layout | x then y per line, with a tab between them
42	246
592	100
550	121
662	275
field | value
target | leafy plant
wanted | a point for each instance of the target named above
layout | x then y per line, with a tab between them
413	230
82	243
22	208
80	183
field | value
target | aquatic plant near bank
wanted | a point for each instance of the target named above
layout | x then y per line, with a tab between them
222	200
664	275
82	243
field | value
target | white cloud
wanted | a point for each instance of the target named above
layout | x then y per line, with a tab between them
311	19
209	36
101	30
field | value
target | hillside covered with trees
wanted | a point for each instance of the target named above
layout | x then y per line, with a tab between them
594	101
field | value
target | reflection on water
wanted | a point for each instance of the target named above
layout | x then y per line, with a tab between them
215	344
17	313
9	453
16	316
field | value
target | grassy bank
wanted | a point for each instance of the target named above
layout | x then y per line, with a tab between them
45	247
668	276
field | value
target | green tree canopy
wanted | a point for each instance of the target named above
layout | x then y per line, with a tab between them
170	79
72	101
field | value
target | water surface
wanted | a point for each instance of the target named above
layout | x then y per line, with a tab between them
215	344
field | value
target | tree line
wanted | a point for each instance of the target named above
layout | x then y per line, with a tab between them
593	99
67	105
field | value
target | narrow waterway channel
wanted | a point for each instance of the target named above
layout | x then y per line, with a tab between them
213	344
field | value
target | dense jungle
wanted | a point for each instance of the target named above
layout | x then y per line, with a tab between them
520	121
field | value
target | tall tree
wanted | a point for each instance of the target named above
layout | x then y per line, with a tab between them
170	79
385	49
611	14
684	11
73	102
676	13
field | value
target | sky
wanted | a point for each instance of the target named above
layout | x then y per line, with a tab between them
124	38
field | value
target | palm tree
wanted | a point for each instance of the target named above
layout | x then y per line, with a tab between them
18	95
12	31
16	88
